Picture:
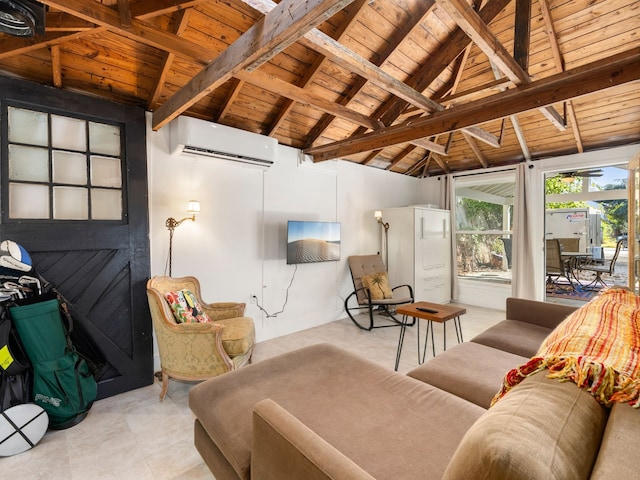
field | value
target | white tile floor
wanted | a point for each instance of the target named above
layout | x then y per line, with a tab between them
135	436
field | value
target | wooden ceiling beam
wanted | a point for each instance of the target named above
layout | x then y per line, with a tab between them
521	35
429	71
355	10
181	22
138	31
63	27
125	13
559	61
234	91
273	84
478	31
275	31
421	9
55	66
578	82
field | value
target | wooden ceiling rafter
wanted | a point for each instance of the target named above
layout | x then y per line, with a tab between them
125	13
235	86
138	31
181	22
522	141
442	58
56	70
468	138
479	32
578	82
281	27
354	12
392	45
274	84
559	62
102	14
65	27
457	42
337	53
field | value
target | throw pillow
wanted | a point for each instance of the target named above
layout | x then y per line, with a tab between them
186	308
597	347
378	285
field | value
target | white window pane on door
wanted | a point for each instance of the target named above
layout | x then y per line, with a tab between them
68	133
28	200
104	138
106	204
69	168
70	203
30	164
106	172
27	126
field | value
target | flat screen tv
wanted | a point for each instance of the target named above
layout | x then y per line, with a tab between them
310	242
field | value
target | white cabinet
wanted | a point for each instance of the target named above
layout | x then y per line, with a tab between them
419	251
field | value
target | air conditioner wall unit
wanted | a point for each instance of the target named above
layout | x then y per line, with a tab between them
198	137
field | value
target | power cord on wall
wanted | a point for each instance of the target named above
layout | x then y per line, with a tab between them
286	298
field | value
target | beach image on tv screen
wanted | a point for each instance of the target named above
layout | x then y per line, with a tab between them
309	242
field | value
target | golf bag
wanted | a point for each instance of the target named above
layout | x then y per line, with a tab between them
63	383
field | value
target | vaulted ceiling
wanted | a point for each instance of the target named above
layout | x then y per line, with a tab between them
420	87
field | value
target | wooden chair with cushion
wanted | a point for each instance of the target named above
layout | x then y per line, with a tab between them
220	341
372	291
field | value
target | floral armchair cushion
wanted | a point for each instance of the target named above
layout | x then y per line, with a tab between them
186	308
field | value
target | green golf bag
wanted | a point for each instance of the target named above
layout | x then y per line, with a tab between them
63	384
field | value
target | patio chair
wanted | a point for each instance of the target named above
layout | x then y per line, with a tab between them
607	267
372	291
556	267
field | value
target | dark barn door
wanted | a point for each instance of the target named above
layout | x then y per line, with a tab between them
100	266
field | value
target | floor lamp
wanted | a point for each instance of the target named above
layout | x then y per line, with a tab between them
193	208
378	215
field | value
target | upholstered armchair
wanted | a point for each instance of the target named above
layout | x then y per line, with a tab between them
197	351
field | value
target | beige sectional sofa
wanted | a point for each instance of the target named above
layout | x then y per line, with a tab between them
323	413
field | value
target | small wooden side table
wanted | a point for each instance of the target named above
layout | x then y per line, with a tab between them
439	313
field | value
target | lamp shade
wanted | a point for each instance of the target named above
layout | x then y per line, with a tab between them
193	207
377	214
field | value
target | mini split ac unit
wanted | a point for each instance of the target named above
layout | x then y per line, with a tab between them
199	137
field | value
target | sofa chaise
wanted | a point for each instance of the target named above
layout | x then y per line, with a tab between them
321	412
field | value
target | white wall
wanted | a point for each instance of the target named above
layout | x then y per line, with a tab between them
237	245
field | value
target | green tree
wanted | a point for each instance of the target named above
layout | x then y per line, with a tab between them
615	213
556	185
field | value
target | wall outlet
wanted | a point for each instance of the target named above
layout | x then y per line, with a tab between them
253	299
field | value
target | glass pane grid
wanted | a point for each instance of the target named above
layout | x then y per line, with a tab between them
46	167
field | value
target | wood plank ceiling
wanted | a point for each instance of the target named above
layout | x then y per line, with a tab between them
419	87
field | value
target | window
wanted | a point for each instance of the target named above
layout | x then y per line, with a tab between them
484	226
63	168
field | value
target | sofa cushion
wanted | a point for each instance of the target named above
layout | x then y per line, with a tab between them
514	336
381	420
619	450
542	429
469	370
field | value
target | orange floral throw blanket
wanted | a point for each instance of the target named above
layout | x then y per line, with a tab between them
597	347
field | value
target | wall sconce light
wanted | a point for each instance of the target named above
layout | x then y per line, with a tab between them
378	216
193	208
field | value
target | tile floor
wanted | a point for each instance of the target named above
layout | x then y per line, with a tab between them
135	436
